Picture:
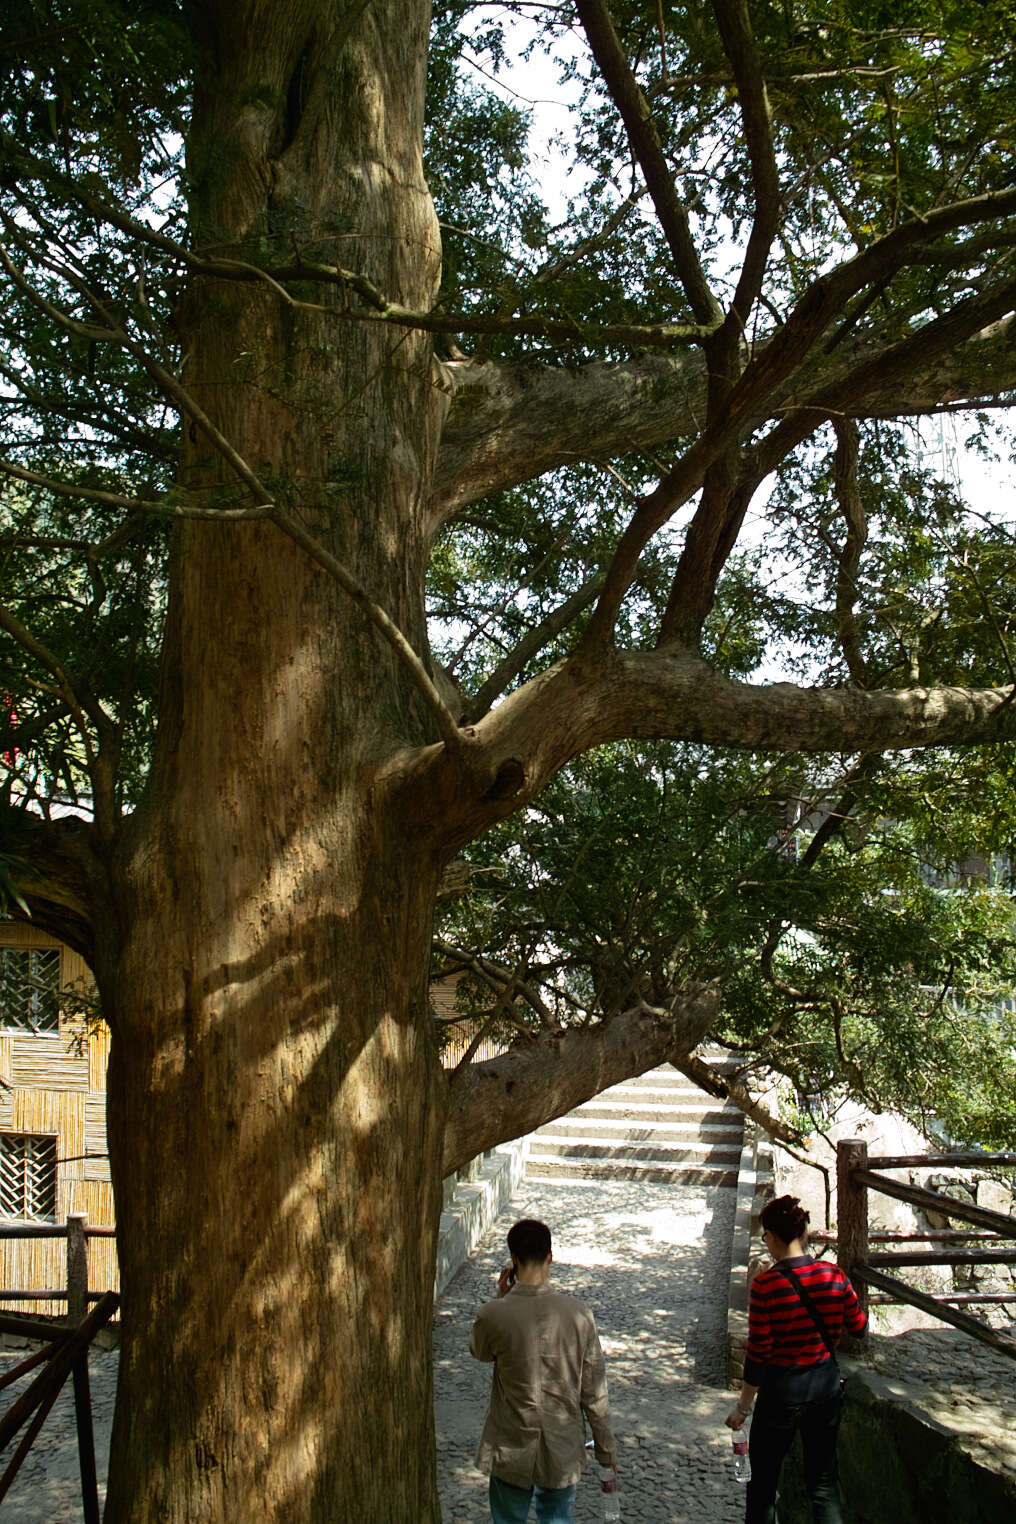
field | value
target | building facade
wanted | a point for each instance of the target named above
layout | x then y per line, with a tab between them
53	1152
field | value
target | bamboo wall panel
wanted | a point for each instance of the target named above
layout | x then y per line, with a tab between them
30	1264
47	1063
53	1111
19	934
98	1059
97	1165
93	1197
103	1269
58	1087
73	968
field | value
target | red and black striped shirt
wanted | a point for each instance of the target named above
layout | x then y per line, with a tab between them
782	1337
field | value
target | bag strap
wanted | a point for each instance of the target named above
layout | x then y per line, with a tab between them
809	1305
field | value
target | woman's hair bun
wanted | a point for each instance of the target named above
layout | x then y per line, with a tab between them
786	1217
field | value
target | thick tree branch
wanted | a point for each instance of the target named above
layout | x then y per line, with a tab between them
710	539
645	144
735	29
714	1083
512	423
517	1092
672	695
55	867
585	701
849	498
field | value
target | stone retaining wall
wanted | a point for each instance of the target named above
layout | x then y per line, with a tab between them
899	1465
754	1189
472	1199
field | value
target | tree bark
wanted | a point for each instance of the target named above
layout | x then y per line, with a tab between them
276	1111
510	423
275	1122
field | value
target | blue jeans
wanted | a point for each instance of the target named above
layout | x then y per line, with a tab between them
772	1430
510	1505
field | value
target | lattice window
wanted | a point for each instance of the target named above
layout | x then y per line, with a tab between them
30	988
27	1176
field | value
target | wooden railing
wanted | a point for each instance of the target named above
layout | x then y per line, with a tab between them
66	1354
856	1175
65	1351
77	1230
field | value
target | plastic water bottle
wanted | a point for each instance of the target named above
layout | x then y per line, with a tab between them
742	1463
608	1491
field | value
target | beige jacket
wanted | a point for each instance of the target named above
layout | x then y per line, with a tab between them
548	1371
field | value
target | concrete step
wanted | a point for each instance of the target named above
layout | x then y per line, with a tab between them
625	1110
660	1173
723	1156
666	1075
608	1130
657	1127
663	1094
661	1079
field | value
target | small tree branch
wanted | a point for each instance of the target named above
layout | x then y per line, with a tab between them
498	978
69	489
849	498
378	308
538	637
382	622
80	706
771	369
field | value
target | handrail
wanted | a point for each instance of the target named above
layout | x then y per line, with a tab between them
928	1161
65	1354
946	1206
1003	1342
52	1230
77	1231
855	1178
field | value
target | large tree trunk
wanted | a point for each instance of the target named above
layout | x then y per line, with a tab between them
276	1121
275	1107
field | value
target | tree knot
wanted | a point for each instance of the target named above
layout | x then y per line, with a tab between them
508	781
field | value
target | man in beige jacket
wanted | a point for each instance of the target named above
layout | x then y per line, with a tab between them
548	1371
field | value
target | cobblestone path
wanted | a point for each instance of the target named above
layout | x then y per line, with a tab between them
653	1262
48	1486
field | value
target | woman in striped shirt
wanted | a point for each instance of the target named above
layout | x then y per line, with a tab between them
790	1364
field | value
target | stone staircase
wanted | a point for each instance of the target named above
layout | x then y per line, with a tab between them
659	1126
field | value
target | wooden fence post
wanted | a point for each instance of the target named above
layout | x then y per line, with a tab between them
852	1212
77	1268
